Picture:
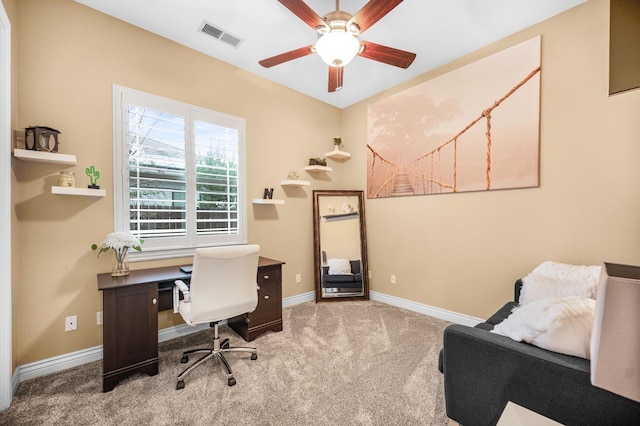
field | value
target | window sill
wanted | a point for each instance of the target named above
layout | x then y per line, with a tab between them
148	255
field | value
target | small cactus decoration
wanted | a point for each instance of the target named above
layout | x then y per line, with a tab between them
94	175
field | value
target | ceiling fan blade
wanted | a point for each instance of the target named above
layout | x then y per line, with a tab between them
372	12
335	78
286	56
388	55
304	12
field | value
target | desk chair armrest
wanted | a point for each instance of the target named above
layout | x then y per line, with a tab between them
179	286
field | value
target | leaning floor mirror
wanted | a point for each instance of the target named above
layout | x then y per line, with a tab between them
340	245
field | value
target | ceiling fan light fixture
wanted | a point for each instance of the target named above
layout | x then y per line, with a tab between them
337	48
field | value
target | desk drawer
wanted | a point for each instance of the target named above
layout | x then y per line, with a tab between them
268	314
269	297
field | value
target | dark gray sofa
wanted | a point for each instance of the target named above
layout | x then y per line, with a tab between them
354	280
483	371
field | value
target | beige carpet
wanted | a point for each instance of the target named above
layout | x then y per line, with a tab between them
346	363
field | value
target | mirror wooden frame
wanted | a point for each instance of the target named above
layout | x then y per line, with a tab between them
318	262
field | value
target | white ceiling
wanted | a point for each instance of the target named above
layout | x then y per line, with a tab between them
438	31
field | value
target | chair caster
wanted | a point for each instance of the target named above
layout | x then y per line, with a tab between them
230	382
184	360
224	344
180	385
254	356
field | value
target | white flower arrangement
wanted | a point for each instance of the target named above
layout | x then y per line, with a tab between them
120	242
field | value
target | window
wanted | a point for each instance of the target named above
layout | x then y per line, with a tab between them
179	174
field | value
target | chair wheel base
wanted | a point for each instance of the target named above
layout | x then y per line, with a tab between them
254	357
184	359
230	382
180	385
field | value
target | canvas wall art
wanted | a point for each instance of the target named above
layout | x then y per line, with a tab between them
473	129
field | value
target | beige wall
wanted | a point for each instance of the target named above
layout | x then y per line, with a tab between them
462	252
65	78
459	252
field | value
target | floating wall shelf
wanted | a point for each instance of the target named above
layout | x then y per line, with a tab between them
318	169
336	154
293	182
44	157
266	201
341	216
86	192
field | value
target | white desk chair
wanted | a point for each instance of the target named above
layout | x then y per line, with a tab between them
223	285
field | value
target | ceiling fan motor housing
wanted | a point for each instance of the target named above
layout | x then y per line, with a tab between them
338	20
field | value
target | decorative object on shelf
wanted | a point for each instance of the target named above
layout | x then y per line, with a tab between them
94	175
66	179
120	242
293	176
347	208
268	193
317	161
41	138
337	141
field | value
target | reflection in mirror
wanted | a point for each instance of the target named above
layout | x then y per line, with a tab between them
340	245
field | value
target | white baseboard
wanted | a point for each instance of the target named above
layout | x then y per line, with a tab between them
58	363
425	309
298	299
74	359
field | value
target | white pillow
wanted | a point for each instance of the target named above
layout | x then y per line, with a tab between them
559	325
553	280
339	267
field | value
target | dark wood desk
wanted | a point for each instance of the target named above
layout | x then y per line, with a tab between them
130	320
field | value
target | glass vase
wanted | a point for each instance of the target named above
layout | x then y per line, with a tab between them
120	263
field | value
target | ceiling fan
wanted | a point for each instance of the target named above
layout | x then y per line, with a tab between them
338	41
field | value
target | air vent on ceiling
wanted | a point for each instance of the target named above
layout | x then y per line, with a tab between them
220	33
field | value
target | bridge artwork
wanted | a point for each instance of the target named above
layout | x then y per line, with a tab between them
473	129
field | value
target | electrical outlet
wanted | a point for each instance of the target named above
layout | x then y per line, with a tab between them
99	317
393	278
298	278
370	274
71	323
